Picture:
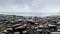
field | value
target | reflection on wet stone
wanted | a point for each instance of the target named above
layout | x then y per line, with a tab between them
13	24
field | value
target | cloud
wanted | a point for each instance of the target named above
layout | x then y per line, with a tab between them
29	6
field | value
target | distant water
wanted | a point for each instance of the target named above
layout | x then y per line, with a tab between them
29	14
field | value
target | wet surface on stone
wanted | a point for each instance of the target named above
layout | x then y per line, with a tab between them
12	24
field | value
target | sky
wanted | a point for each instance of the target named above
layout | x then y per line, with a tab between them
30	7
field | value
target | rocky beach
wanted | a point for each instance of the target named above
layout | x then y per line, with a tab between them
13	24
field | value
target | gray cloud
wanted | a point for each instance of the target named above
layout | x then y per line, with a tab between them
30	6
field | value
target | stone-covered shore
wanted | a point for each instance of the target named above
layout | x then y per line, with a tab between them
13	24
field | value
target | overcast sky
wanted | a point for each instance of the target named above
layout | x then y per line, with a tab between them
29	6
